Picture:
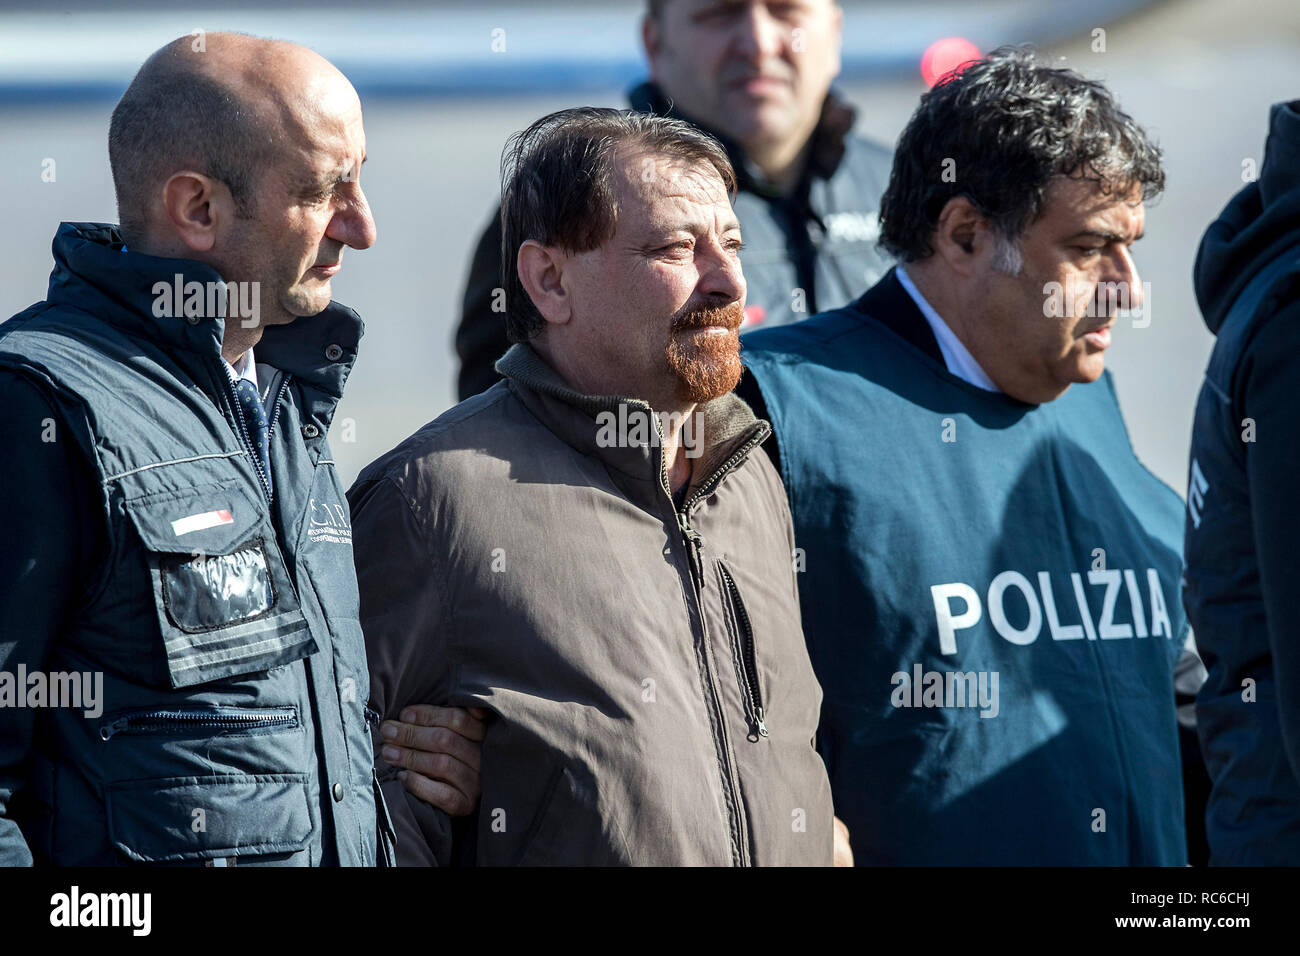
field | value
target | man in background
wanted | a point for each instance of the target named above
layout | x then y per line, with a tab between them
757	75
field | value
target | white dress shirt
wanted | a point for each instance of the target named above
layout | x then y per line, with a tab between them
246	368
959	361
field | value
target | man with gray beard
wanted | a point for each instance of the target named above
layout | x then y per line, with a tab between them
596	550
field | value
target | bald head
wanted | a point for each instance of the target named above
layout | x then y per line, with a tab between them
227	106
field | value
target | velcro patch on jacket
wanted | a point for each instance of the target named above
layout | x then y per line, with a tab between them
201	521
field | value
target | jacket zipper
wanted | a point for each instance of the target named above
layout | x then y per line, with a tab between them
247	442
695	565
275	406
164	721
243	429
694	549
749	659
694	543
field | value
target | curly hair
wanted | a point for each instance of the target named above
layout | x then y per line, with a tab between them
998	131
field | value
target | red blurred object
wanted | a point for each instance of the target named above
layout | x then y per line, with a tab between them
944	56
754	315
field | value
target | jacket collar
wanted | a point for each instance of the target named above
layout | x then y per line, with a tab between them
888	304
725	425
828	144
93	275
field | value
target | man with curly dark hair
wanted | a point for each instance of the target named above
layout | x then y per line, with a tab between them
990	576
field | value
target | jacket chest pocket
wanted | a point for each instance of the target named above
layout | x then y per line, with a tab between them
744	652
224	601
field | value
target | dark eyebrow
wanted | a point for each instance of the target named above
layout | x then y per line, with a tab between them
1104	236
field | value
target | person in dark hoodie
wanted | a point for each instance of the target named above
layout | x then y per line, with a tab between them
1242	514
757	75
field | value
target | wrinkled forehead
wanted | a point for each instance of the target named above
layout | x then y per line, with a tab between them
650	187
1088	201
321	122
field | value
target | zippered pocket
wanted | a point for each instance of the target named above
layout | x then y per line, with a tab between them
748	655
205	722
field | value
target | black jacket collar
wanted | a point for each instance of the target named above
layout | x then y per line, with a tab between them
93	275
888	303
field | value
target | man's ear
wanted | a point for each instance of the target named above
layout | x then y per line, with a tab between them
961	236
195	205
541	270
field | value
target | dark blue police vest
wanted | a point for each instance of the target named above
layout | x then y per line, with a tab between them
990	598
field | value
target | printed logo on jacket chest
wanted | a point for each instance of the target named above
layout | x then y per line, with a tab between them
329	523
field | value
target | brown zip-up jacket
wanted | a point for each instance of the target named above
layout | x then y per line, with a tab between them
652	698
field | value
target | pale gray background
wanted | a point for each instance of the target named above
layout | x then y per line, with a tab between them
439	104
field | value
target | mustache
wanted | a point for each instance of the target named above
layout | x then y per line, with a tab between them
728	316
740	71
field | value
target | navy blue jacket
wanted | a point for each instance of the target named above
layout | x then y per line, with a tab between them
209	628
1243	515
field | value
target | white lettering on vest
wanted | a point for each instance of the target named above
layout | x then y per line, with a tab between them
951	616
947	621
997	613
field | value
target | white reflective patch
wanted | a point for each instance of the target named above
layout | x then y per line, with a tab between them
200	522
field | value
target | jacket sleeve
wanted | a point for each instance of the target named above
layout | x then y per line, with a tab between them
402	617
46	490
481	336
1269	388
